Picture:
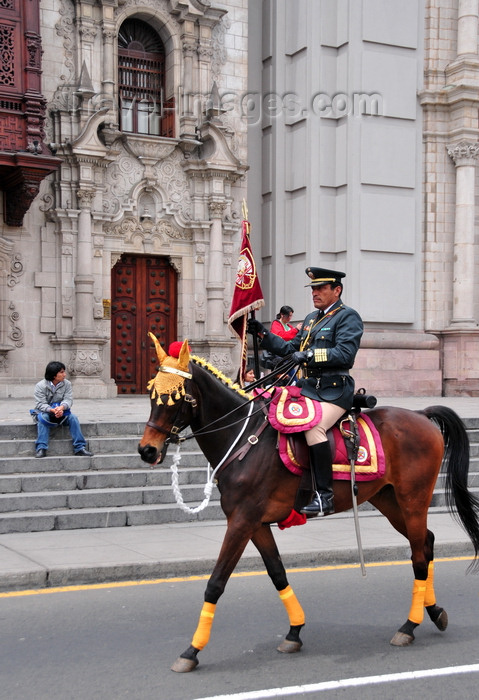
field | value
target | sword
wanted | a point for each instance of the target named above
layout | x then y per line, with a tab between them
352	444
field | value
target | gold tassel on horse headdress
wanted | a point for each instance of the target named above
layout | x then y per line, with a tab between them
171	376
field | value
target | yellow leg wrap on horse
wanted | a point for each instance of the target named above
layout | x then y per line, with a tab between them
293	608
416	613
202	635
430	597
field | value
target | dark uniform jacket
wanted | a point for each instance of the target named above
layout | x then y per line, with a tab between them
334	341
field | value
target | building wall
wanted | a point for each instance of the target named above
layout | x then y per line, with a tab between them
353	125
57	266
369	191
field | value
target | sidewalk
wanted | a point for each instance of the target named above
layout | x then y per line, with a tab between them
70	557
73	557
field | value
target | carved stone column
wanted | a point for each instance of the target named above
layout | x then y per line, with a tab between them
214	285
467	21
108	81
464	155
188	119
84	275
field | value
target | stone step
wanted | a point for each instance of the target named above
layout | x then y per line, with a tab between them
98	498
115	488
68	463
120	478
57	519
28	430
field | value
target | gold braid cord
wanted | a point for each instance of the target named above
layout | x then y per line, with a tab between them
172	385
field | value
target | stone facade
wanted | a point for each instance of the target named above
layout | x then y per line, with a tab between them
120	192
351	128
365	161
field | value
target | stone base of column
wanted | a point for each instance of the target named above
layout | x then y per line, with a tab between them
399	363
461	362
219	353
86	368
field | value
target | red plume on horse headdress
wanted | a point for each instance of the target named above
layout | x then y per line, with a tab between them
175	347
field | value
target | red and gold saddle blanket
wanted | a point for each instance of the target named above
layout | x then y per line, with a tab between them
290	412
370	462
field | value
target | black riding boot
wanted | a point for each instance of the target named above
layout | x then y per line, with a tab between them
322	472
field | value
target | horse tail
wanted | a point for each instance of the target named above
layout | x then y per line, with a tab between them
461	503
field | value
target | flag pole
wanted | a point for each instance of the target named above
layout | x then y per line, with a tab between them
247	297
252	313
255	351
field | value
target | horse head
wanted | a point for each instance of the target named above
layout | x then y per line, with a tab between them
168	410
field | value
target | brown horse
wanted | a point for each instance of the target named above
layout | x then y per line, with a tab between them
256	489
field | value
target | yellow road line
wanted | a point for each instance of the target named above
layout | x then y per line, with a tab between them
205	577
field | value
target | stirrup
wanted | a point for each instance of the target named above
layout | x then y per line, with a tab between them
322	504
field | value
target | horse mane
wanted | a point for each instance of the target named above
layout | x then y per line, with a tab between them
234	386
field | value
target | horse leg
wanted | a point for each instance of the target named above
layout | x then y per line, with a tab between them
422	548
265	544
234	543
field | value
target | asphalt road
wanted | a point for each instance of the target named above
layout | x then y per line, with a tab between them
118	642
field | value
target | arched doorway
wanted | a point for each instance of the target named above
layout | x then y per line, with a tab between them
143	298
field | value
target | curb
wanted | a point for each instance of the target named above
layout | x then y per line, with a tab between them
56	577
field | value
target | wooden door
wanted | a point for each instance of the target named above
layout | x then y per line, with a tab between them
143	298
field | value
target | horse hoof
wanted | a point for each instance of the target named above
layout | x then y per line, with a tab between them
183	665
441	622
401	640
287	647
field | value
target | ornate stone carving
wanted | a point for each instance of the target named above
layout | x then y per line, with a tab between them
85	363
65	28
463	153
16	270
216	209
85	197
173	180
219	49
16	333
147	149
164	229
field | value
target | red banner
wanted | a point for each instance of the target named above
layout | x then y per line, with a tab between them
247	295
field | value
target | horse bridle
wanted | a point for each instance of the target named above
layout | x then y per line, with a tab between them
172	434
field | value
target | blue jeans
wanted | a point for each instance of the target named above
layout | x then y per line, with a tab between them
43	433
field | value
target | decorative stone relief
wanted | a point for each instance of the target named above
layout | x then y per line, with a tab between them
200	253
463	153
120	177
222	361
164	229
85	362
200	308
16	333
16	270
219	49
65	28
157	5
173	180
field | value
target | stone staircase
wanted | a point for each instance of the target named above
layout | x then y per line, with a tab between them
114	488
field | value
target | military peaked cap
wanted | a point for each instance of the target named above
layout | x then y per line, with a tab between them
320	276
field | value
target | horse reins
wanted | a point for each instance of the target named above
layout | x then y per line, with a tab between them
172	435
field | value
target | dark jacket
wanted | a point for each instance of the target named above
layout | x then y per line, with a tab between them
334	341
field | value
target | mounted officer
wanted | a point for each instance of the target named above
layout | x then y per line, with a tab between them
325	348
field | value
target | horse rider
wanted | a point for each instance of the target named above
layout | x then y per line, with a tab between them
325	348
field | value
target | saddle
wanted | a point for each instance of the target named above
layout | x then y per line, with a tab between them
353	437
